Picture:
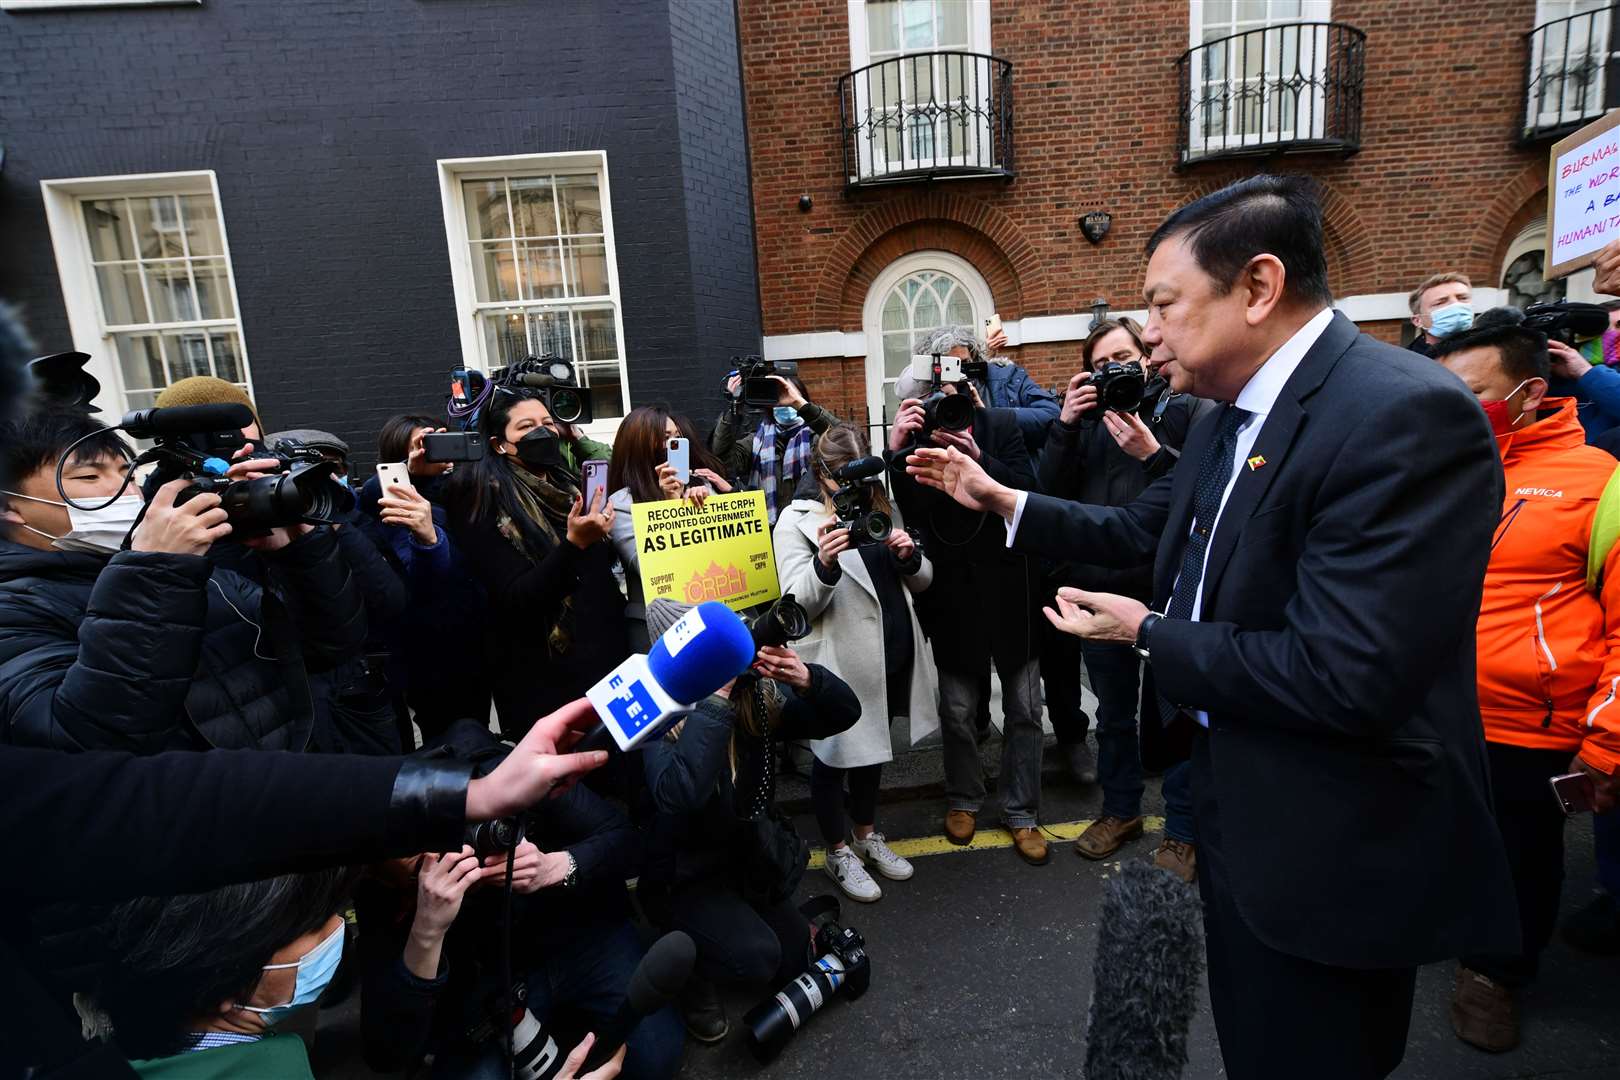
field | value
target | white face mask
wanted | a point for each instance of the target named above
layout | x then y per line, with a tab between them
98	532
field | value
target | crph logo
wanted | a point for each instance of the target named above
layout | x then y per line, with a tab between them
1545	493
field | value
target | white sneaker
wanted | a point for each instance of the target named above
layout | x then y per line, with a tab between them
845	868
875	851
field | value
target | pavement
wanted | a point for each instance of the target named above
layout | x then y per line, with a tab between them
981	967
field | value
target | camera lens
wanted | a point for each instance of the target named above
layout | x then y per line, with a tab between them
1123	392
566	404
954	412
876	526
784	621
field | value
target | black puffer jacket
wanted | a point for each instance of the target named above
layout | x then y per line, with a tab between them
150	651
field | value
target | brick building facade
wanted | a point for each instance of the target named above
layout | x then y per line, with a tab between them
1417	130
310	197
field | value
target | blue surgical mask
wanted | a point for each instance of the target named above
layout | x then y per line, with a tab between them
1450	318
315	971
785	415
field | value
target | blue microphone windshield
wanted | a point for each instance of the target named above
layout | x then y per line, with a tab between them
706	648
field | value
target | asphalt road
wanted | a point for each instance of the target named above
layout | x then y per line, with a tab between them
981	967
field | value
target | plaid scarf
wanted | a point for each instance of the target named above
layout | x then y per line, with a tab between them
794	462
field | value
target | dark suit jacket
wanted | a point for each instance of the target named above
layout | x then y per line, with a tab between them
1335	655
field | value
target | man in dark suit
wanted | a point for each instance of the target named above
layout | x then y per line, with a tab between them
979	610
1324	544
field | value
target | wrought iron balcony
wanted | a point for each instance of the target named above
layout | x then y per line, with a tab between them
1570	73
927	115
1293	88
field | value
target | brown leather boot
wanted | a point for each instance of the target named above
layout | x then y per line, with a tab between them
959	827
1031	846
1178	857
1107	835
1483	1013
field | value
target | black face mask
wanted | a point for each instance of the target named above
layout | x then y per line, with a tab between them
540	450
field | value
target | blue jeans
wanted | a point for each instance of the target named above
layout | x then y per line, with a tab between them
1116	674
1178	813
588	974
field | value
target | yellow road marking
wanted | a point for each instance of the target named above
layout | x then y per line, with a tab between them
983	840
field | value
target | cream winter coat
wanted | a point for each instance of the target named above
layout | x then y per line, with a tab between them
846	637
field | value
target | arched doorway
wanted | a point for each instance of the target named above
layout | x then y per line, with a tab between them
1524	269
915	294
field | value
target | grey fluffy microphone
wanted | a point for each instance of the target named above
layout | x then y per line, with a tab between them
1150	953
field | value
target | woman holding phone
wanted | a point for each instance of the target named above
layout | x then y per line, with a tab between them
642	472
556	617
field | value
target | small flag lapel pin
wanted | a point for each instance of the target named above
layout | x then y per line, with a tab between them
1257	462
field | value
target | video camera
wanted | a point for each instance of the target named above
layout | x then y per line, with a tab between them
841	964
197	441
554	377
759	390
1567	320
852	502
942	411
1120	386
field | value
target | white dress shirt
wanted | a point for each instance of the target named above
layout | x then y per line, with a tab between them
1257	398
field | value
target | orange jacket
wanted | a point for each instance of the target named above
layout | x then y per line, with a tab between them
1549	621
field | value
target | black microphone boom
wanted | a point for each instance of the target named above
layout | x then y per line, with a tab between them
186	420
1150	952
658	980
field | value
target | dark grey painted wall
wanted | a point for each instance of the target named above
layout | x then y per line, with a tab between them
324	119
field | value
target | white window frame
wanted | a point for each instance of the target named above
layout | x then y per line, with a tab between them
1198	144
1602	46
45	5
868	163
81	295
943	262
452	171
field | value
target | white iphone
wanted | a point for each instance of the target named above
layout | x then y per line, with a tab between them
680	456
991	326
595	472
393	472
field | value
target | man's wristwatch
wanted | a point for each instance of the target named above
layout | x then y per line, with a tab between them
571	878
1149	621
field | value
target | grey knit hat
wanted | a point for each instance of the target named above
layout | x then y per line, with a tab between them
662	614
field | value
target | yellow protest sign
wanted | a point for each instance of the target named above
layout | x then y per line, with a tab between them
721	552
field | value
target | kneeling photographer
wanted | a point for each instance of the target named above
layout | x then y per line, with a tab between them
774	458
1121	428
154	647
723	862
844	554
436	951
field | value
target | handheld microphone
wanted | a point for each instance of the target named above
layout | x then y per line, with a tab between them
1149	955
657	981
186	420
701	652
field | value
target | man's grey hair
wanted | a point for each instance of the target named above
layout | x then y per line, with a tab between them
946	338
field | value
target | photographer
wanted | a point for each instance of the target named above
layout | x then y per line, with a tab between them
556	615
432	948
851	592
408	525
980	610
640	472
723	862
154	647
1108	457
1595	388
1001	383
777	455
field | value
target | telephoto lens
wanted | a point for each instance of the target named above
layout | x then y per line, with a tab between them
948	412
842	966
304	494
782	622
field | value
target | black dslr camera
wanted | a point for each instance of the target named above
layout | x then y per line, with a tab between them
841	965
557	382
852	502
496	837
782	622
942	411
759	390
1119	386
1567	320
197	442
